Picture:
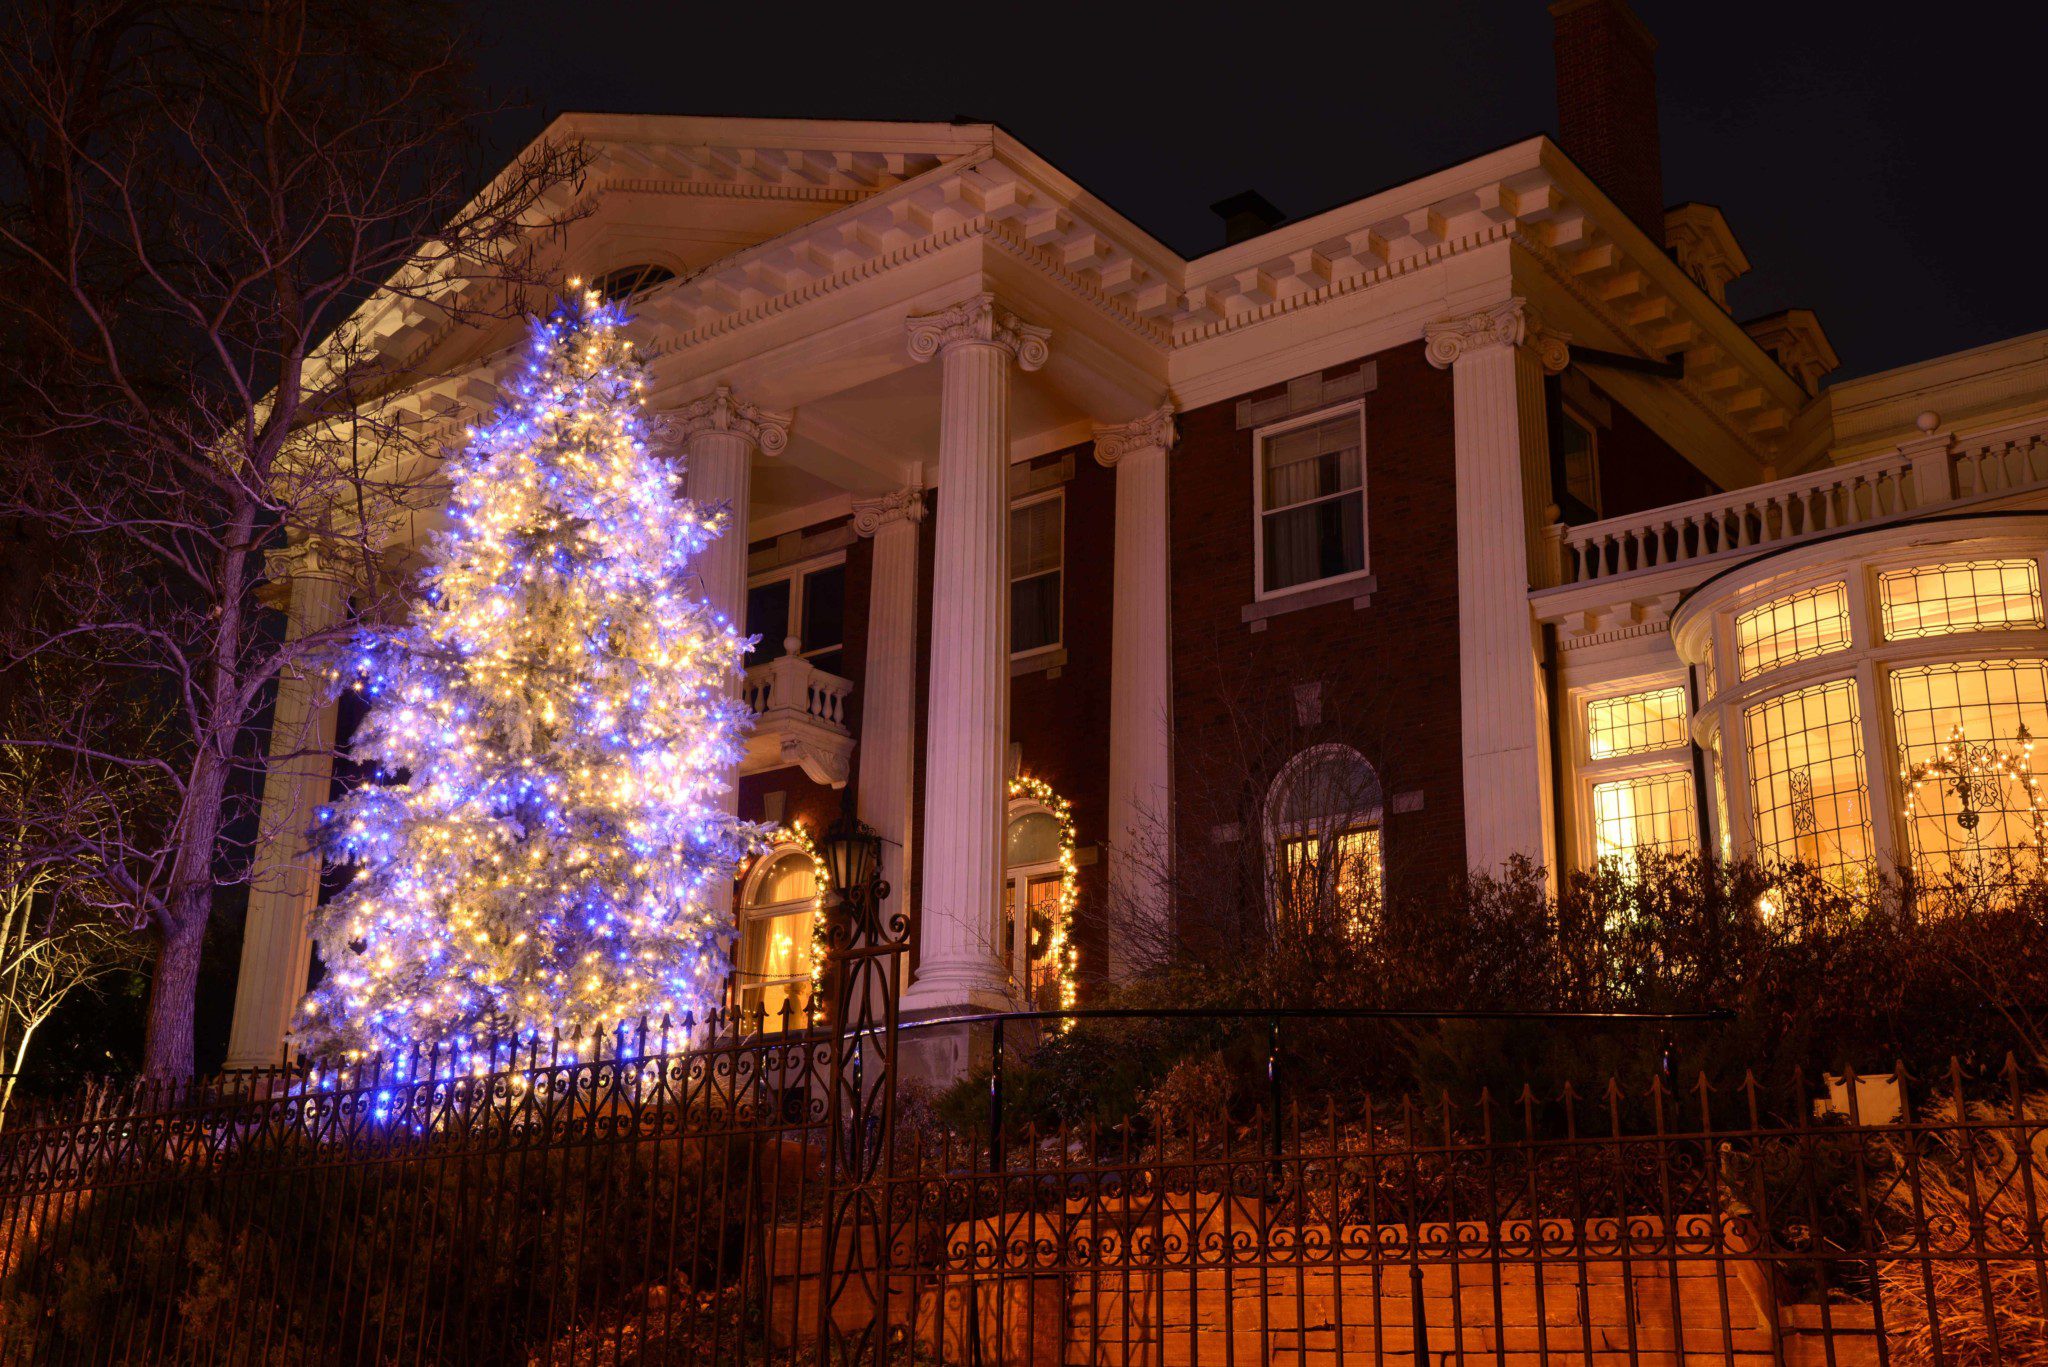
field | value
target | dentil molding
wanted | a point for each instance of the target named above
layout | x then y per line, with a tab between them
870	515
1511	323
978	322
719	411
1155	429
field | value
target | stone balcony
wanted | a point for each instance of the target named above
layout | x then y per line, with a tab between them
799	719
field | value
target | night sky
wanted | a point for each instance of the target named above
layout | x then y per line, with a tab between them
1887	172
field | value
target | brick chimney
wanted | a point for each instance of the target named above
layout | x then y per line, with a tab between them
1607	104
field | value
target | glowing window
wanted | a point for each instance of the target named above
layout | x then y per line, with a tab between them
1799	627
1976	595
1806	780
1647	813
1636	723
1964	764
772	969
1721	803
1323	832
1351	878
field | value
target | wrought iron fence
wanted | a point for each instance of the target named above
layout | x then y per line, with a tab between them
707	1200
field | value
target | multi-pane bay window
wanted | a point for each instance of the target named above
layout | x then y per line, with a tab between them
1800	626
1979	595
1310	482
1964	733
808	603
1037	558
1807	794
1637	771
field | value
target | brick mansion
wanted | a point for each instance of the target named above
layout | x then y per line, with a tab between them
1457	523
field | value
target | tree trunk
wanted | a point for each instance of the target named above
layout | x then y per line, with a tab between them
173	990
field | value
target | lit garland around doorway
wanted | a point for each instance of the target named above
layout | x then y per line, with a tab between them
797	836
1059	949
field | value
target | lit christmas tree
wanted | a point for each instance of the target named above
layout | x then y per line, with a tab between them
559	718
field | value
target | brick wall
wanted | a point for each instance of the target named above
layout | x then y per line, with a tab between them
1640	470
1387	673
1607	105
1062	721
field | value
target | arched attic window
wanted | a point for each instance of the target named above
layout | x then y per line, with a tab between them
1325	856
617	286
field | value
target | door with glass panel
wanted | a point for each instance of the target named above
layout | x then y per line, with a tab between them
1031	903
772	971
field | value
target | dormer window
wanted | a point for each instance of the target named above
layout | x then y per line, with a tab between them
617	286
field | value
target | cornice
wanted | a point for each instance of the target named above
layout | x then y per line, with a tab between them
726	189
1154	431
720	411
977	321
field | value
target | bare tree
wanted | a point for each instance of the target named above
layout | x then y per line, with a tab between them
213	213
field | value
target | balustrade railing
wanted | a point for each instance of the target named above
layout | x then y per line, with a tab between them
1880	489
792	684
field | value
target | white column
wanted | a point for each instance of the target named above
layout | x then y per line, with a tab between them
967	734
888	708
1497	358
720	435
284	881
1141	697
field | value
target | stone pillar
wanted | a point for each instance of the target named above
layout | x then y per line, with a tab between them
1497	358
720	435
1141	693
284	881
888	712
967	735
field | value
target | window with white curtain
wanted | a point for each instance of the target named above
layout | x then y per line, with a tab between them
1311	502
1037	558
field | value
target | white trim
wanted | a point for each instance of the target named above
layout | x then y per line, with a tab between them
1260	436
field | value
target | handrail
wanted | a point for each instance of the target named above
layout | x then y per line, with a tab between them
1917	478
790	683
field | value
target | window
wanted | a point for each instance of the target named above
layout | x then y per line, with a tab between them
1981	595
1799	627
772	971
808	604
1636	723
1647	814
617	286
1964	733
1037	545
1031	902
1577	462
1805	753
1325	847
1638	796
1311	502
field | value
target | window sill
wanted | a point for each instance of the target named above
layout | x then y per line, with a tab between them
1048	661
1358	591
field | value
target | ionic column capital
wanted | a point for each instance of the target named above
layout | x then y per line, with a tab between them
870	515
978	322
720	411
1511	323
1155	429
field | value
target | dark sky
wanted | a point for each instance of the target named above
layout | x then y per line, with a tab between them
1879	165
